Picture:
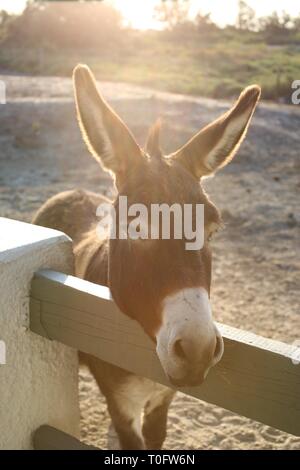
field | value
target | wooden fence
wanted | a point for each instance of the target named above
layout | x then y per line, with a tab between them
257	377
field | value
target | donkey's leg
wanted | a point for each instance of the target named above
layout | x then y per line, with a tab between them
126	395
155	417
126	419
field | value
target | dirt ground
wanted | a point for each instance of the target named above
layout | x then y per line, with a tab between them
256	258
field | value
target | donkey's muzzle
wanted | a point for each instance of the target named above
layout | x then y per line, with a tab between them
188	342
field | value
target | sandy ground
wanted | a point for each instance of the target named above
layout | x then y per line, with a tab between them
256	258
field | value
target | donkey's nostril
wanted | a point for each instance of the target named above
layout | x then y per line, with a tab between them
178	349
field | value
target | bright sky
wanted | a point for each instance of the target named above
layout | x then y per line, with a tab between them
139	12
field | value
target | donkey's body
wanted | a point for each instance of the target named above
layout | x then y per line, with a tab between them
127	395
157	282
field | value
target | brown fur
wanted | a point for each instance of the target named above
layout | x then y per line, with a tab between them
140	275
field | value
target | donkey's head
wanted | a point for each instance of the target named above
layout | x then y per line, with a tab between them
160	283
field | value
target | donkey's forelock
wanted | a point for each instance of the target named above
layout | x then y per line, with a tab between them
152	146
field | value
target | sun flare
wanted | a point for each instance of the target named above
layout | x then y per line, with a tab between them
137	13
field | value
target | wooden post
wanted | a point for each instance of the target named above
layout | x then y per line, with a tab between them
257	377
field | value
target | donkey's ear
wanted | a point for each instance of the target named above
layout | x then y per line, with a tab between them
215	145
105	134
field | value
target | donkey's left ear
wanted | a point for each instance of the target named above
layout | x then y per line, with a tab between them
215	145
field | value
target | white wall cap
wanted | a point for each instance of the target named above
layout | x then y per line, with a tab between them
18	238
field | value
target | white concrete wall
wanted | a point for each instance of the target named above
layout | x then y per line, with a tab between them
38	383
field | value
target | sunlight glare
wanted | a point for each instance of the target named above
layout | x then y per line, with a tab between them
15	6
137	13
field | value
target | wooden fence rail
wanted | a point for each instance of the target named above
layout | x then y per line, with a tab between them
257	377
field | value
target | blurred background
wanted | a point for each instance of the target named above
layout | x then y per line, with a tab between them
184	61
175	45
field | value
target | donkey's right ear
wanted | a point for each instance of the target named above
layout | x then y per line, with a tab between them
105	134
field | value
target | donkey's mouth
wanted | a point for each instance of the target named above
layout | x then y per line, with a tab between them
187	381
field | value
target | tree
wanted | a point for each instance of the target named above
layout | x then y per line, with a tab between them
67	24
6	20
4	16
173	13
276	27
246	19
296	24
204	23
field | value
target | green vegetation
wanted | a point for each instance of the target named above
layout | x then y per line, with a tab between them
193	57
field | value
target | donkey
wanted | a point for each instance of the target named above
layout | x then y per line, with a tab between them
159	283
